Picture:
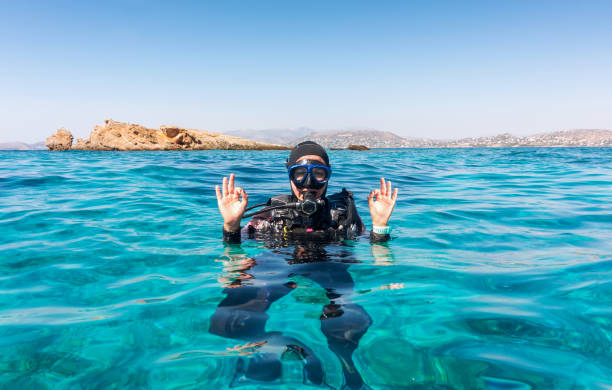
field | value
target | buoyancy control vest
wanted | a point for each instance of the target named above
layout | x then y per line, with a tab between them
337	219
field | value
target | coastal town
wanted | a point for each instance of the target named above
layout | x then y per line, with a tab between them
384	139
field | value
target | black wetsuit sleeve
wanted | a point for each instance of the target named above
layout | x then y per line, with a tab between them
235	237
375	237
232	237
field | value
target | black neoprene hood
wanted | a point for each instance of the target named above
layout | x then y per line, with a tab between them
307	148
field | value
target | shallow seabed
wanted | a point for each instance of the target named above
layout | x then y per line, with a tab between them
499	274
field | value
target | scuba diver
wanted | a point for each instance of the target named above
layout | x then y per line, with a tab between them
307	218
307	209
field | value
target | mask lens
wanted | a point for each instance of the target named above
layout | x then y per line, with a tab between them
299	173
319	174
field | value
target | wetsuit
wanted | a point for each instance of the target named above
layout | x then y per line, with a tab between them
242	314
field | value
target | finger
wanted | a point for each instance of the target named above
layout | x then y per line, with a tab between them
234	195
240	193
376	195
224	187
389	188
383	187
218	192
394	197
230	188
371	199
245	197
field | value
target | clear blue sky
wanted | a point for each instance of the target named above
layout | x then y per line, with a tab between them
430	68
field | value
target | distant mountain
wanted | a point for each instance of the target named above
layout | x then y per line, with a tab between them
344	138
22	146
385	139
581	137
273	136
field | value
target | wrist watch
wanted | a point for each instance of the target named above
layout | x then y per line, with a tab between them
381	229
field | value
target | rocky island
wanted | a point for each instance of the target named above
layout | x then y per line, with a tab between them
115	135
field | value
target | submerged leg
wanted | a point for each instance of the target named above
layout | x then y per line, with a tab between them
242	314
343	323
290	346
266	365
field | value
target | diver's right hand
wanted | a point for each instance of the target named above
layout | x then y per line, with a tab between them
230	205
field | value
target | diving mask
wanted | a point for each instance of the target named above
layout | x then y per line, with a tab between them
309	174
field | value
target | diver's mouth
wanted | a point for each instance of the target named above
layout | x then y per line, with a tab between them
304	191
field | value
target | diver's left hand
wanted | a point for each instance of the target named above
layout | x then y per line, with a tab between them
382	202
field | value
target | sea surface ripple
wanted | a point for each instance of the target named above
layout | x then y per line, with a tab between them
498	276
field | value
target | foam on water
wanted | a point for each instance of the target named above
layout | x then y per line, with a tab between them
499	274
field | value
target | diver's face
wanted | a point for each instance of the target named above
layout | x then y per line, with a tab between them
299	192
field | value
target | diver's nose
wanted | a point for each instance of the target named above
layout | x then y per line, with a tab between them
309	182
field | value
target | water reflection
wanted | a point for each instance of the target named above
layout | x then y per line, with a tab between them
253	284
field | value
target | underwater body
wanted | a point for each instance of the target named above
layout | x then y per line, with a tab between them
113	274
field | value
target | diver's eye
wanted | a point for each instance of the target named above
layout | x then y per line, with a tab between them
320	174
299	173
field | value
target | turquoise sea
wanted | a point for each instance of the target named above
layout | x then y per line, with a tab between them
498	276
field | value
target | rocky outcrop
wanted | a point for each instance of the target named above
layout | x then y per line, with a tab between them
357	147
115	135
61	140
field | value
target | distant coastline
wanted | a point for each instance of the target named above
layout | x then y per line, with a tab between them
385	139
22	146
115	135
